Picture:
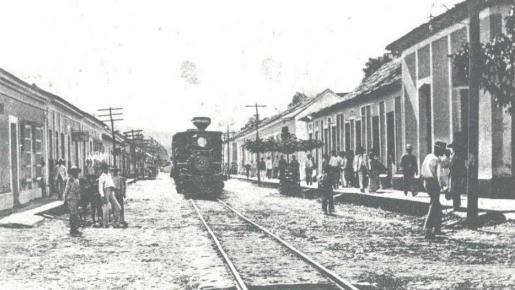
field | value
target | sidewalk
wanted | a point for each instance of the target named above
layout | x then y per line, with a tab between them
397	197
30	215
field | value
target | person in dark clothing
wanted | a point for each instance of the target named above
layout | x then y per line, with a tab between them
282	168
348	170
458	173
262	168
295	167
409	168
325	189
72	198
247	170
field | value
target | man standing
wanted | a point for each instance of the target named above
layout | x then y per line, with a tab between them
360	167
105	188
308	168
334	168
72	197
247	170
120	189
269	167
325	189
429	173
409	169
295	167
60	178
262	168
282	168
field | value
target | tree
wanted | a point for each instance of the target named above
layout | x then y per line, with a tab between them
297	99
373	64
497	71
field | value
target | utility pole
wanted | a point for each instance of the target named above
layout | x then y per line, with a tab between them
227	139
132	135
257	136
112	112
474	7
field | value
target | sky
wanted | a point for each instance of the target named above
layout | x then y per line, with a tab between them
165	62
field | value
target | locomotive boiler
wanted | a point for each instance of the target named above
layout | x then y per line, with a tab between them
197	160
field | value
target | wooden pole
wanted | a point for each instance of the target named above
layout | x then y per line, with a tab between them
473	112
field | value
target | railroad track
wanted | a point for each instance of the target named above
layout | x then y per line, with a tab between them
242	231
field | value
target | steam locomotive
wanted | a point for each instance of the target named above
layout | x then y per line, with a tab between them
197	160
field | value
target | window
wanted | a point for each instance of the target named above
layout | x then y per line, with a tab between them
37	151
26	166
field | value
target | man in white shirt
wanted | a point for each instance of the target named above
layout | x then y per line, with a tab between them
105	188
334	168
429	173
360	167
61	177
269	167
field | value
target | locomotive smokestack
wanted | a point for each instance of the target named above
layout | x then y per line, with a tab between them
201	122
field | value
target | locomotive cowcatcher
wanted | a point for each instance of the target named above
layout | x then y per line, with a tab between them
197	160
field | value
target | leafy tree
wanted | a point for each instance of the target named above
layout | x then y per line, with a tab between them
373	64
297	99
497	59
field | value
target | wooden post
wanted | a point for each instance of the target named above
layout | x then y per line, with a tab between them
474	7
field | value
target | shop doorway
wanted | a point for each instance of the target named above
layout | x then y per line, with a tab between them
425	120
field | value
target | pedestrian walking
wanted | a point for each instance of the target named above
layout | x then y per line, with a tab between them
269	167
61	177
120	190
72	197
325	189
308	168
429	173
105	188
409	169
457	171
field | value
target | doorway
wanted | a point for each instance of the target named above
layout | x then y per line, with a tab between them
390	137
375	136
425	120
14	164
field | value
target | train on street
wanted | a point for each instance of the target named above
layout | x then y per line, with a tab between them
197	161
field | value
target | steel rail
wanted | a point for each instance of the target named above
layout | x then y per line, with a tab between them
240	284
342	283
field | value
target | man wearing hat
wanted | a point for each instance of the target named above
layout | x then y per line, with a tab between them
72	198
458	169
433	222
409	169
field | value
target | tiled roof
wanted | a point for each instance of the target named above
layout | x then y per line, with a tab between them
386	77
452	16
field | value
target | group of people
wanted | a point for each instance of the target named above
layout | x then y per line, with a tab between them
349	169
104	193
277	168
443	172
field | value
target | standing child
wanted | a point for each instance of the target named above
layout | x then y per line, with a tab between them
120	187
72	197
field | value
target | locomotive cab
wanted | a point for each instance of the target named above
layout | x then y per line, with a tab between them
197	158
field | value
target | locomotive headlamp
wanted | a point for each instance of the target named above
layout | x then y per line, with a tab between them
202	142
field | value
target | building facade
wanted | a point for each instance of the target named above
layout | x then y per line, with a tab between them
286	121
368	117
435	102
